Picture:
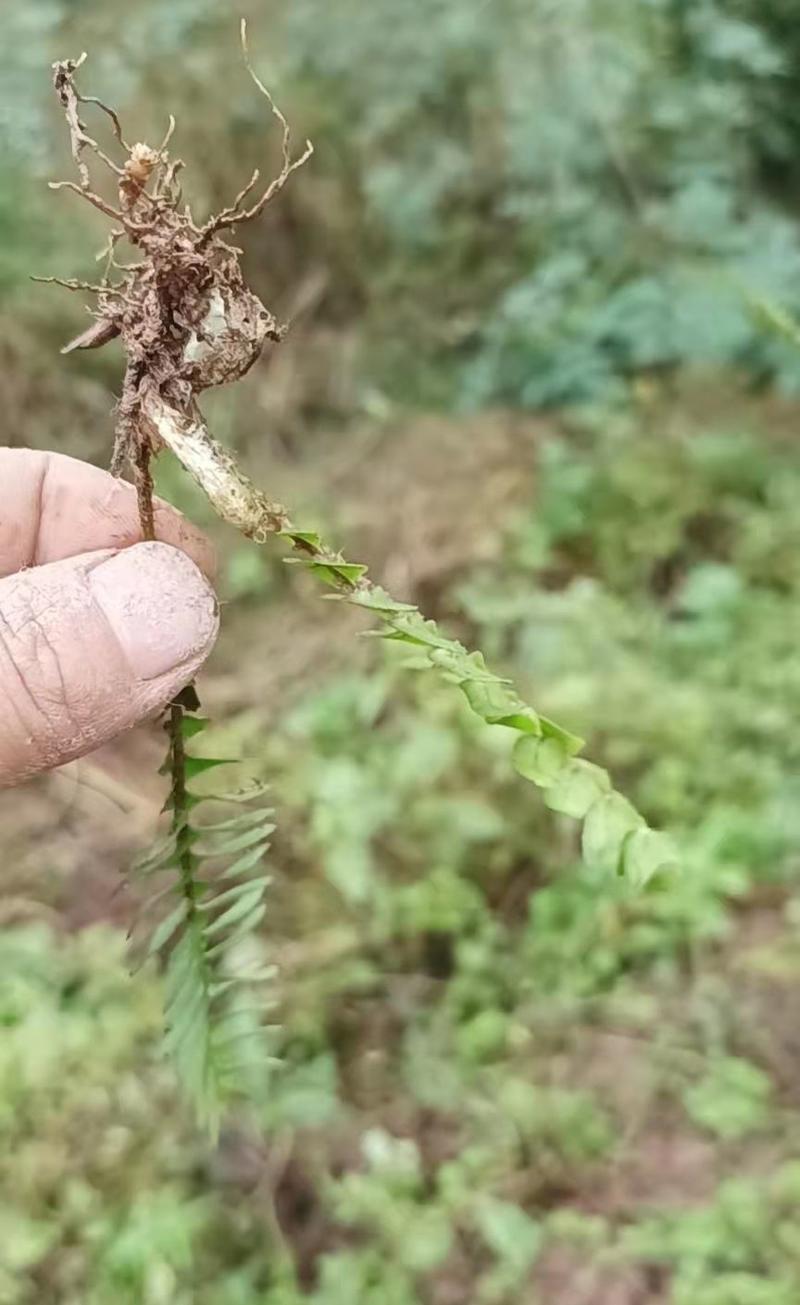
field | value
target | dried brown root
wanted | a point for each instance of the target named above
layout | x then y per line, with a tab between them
67	283
185	315
234	214
63	81
94	337
96	200
117	127
143	479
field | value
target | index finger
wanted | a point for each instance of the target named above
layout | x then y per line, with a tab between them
53	507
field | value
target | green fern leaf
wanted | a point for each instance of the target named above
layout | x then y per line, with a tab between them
212	1005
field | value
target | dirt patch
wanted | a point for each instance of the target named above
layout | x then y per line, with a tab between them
565	1277
433	498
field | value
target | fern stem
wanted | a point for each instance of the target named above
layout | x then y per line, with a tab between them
213	870
180	802
144	490
187	880
181	828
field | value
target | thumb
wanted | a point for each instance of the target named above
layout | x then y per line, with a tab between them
91	645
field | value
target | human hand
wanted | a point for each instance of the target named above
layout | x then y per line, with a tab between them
97	630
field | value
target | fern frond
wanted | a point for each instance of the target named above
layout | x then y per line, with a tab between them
214	976
615	836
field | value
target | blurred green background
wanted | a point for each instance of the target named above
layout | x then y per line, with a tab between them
526	384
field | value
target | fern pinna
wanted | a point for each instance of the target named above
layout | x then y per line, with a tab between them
214	971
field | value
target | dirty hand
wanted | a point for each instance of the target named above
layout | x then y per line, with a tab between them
97	630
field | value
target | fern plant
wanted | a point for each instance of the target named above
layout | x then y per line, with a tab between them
188	321
215	976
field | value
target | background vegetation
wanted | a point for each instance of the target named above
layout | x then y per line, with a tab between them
526	384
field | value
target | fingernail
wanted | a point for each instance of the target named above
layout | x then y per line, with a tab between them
159	606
